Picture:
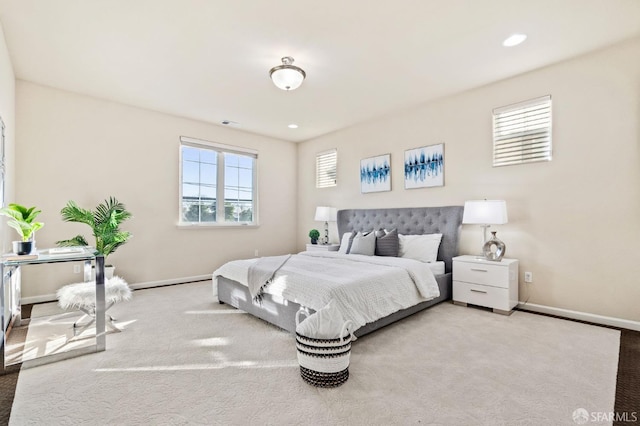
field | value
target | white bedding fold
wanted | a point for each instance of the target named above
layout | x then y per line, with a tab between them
261	273
365	288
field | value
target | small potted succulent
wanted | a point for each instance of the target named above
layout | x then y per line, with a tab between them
23	221
314	234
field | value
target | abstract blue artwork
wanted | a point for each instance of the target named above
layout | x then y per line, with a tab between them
424	167
375	174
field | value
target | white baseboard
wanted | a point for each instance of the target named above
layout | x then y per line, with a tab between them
149	284
582	316
161	283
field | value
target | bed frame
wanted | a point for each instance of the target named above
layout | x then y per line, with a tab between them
409	221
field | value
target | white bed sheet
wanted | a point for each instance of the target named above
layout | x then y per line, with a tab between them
366	288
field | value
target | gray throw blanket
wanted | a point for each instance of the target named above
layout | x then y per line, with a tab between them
261	273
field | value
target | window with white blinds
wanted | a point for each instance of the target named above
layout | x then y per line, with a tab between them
326	168
522	132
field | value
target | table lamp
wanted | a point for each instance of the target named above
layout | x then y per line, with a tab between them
326	215
485	213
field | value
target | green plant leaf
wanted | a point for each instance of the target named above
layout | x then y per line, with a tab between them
22	219
78	240
104	223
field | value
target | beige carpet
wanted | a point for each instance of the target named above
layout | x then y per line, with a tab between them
50	332
185	359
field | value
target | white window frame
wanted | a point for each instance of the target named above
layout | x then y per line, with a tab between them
522	132
220	149
327	162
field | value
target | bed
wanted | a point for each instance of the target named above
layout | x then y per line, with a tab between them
408	221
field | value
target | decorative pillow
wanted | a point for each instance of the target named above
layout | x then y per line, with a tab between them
345	243
420	247
364	244
387	243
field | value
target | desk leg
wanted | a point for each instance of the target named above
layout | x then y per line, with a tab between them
101	337
4	319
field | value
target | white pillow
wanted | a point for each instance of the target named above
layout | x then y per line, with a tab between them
364	244
420	247
344	243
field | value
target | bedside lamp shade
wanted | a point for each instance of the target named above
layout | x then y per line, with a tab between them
485	212
326	214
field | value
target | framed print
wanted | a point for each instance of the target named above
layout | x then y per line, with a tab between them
424	167
375	174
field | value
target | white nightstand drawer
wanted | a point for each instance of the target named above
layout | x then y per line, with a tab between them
323	247
481	295
482	273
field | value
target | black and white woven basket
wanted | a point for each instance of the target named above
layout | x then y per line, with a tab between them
324	362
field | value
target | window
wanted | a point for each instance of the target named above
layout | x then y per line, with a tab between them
326	167
211	172
522	132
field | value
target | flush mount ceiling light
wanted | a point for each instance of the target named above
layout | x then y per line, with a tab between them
514	40
287	76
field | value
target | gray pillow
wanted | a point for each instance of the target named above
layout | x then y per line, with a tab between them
387	244
345	242
364	244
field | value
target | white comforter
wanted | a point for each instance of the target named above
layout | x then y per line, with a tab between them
365	288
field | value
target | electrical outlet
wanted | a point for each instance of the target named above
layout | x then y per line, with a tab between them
528	277
76	269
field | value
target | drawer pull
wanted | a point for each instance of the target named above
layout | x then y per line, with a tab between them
478	291
479	270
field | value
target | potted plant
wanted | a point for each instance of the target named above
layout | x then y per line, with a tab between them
23	221
104	222
314	234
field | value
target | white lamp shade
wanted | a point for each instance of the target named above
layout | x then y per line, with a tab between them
326	214
485	212
287	78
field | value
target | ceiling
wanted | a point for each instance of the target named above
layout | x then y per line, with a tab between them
209	59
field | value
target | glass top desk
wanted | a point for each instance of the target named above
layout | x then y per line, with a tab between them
11	310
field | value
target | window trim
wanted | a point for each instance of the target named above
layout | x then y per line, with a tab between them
220	149
319	155
530	139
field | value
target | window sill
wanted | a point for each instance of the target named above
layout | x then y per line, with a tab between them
215	226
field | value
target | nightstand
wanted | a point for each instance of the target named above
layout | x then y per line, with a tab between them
477	281
325	247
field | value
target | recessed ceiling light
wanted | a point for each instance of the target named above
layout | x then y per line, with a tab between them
514	40
292	126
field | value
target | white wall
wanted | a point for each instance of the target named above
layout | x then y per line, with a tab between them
574	222
79	148
7	112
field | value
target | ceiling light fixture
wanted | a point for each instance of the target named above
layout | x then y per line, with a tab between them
292	126
287	76
514	40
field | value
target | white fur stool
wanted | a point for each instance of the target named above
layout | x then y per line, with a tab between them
82	296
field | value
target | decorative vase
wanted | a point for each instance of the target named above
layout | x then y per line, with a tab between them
494	249
314	241
22	247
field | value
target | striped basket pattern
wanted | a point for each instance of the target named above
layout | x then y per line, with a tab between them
324	362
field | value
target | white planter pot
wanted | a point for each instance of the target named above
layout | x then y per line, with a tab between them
109	270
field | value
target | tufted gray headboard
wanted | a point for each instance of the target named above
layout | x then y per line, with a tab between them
409	221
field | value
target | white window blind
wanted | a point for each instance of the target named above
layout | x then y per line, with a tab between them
326	168
522	132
